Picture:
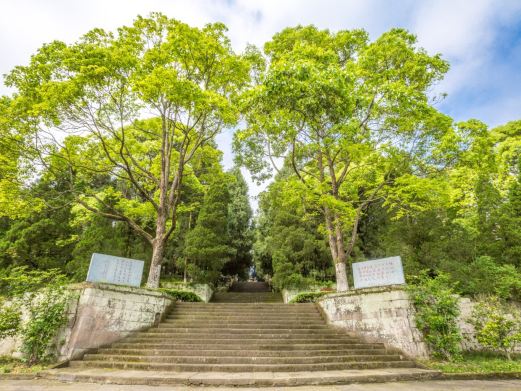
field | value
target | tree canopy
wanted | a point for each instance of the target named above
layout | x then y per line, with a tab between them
108	145
103	85
349	116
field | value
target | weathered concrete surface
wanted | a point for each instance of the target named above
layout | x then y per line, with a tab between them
238	379
469	342
386	314
467	385
100	314
106	313
379	314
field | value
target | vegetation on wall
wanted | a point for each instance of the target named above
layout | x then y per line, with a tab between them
307	297
436	315
42	298
497	325
180	295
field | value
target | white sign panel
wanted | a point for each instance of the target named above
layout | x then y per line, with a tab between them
115	270
380	272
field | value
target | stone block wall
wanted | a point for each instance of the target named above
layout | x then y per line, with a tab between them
100	314
382	314
386	314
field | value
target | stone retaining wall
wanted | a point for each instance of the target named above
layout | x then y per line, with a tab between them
386	314
100	314
379	314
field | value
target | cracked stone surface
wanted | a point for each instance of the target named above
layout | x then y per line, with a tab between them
446	385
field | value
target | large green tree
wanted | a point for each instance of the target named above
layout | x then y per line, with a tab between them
350	116
104	84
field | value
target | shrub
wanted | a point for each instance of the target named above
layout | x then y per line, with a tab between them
44	295
485	276
497	325
48	313
436	314
10	318
181	295
308	297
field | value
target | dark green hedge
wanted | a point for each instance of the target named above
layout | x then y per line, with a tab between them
181	295
308	297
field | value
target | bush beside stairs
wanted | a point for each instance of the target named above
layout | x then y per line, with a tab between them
244	337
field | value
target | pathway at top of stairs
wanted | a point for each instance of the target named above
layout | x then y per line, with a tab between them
248	292
245	337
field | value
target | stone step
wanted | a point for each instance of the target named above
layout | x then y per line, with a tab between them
243	367
283	308
241	305
165	331
244	314
166	327
247	306
242	338
250	286
239	338
246	300
241	360
252	319
205	322
240	352
227	379
305	344
258	300
227	298
257	297
248	294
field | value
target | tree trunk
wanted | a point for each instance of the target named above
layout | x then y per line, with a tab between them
185	271
158	248
334	232
341	277
336	245
340	264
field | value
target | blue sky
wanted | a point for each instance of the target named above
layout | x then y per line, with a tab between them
480	38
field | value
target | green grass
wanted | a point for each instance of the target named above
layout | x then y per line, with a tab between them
13	365
478	363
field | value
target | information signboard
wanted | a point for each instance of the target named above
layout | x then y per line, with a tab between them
115	270
379	272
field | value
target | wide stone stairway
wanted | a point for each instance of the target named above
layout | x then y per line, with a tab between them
246	337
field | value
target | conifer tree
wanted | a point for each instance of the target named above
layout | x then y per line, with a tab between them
239	226
207	246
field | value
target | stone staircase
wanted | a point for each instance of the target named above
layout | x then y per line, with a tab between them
240	335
